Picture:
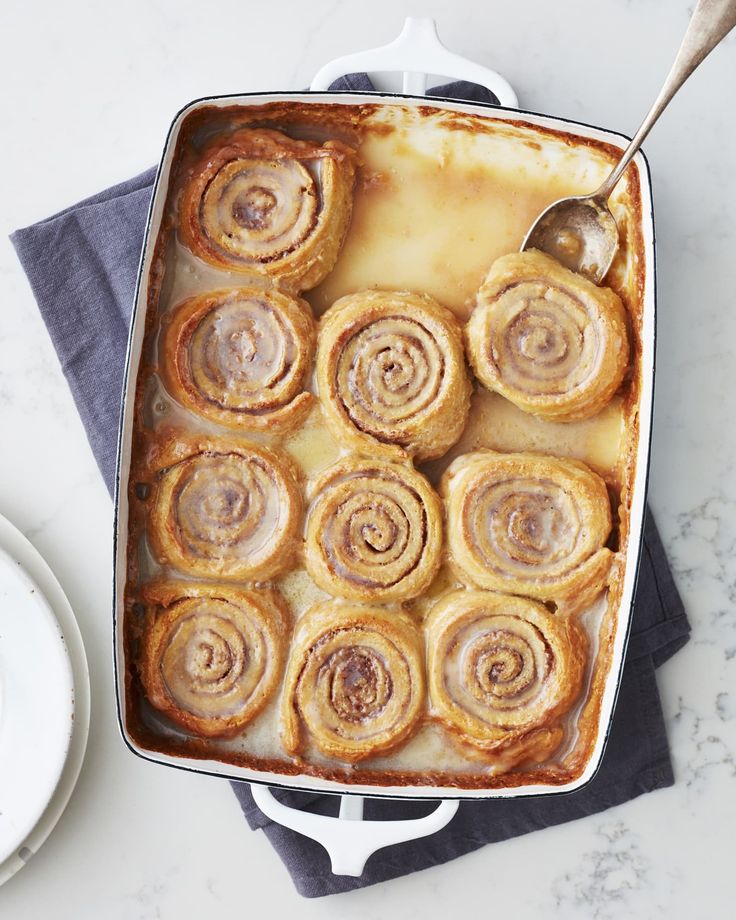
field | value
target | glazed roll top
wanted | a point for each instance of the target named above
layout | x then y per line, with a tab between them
391	374
261	202
212	655
528	524
240	357
354	683
226	509
546	338
374	531
502	671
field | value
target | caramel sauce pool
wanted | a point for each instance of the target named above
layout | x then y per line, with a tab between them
432	221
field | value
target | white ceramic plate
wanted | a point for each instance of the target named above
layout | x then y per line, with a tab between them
44	700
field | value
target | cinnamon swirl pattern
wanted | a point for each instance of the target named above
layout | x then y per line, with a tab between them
374	531
260	202
502	671
354	684
225	509
212	655
528	524
391	374
240	357
546	338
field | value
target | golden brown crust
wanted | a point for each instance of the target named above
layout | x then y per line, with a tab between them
260	202
391	375
374	531
221	509
212	655
354	684
240	357
528	524
546	338
502	670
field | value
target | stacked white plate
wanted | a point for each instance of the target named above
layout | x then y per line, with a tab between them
44	700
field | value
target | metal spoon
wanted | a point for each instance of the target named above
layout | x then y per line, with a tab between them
581	232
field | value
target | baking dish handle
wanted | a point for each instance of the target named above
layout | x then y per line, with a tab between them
348	839
417	52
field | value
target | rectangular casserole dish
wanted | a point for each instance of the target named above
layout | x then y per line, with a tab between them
574	136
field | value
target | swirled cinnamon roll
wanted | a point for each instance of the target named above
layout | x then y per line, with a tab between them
354	684
240	357
547	338
212	655
502	671
225	509
260	202
391	374
528	524
374	531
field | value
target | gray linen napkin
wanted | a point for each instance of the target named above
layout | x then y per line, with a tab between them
82	266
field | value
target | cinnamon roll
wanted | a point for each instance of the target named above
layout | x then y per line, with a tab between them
528	524
502	671
354	684
240	357
547	338
374	531
260	202
212	655
391	374
225	509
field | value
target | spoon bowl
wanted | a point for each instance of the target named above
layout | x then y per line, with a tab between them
581	233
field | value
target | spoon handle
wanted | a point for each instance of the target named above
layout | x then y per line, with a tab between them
711	21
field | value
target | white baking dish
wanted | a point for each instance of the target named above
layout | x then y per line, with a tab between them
414	58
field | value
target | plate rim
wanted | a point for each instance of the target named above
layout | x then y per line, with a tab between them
35	568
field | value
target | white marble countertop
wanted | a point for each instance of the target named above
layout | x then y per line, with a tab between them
89	89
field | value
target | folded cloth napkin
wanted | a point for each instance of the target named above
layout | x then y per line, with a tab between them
82	267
